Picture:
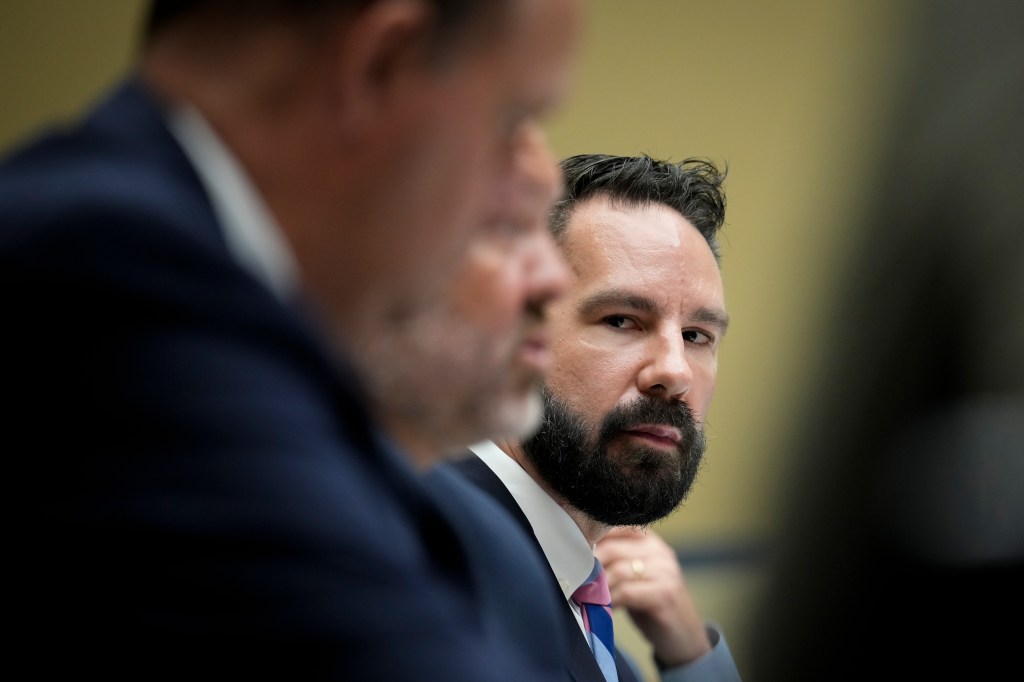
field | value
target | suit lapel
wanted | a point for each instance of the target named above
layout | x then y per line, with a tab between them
582	665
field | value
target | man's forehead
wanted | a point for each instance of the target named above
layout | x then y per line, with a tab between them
614	239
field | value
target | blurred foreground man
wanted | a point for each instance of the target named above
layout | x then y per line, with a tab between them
185	272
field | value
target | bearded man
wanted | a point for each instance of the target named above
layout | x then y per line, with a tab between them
634	361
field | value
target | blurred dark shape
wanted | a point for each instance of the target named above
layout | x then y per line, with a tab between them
902	554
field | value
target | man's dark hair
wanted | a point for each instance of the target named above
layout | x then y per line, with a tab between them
693	187
451	14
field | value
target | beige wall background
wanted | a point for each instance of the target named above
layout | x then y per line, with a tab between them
789	94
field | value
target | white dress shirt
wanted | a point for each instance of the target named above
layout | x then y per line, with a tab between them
250	230
570	555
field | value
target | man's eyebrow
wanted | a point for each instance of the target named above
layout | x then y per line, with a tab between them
713	316
616	298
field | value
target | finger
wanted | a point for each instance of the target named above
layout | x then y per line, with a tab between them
657	572
644	596
648	549
614	549
622	570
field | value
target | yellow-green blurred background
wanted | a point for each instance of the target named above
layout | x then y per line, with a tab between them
789	94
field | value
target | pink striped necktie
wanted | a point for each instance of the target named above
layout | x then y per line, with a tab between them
595	603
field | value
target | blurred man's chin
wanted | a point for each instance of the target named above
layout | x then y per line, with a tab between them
520	416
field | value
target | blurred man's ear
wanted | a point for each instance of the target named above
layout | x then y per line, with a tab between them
375	60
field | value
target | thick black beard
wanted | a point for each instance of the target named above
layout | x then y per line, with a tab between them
637	486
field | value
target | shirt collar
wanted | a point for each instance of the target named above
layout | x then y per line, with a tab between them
250	230
567	551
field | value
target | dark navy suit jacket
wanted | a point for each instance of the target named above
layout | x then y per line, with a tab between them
196	485
580	662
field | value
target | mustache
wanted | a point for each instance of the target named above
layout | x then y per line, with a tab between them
648	410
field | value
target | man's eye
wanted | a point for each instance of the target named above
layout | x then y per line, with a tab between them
696	337
619	322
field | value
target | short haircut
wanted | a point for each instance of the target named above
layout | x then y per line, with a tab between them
693	187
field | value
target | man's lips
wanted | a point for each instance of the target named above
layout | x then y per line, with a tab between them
659	433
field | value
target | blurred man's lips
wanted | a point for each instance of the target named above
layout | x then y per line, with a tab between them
536	352
657	433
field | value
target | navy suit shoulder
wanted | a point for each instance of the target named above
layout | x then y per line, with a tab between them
507	571
200	485
579	662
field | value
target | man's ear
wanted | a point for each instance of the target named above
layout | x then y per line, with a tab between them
376	57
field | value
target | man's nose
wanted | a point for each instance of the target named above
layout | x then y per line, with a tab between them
667	372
